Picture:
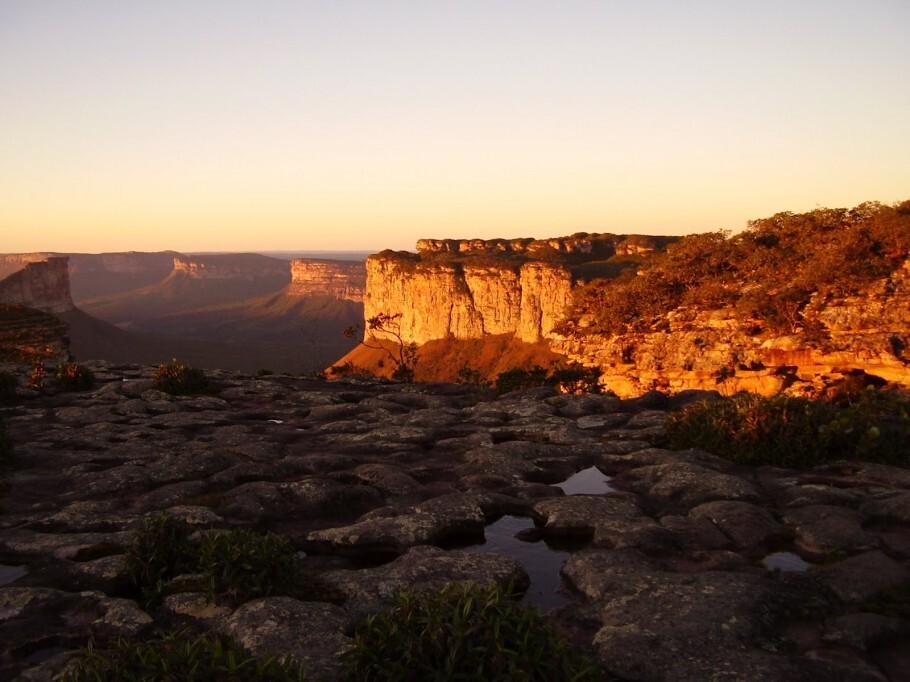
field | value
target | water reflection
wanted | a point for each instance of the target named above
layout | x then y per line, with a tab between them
10	573
785	562
541	562
590	481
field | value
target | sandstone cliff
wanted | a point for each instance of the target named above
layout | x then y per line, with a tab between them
43	285
437	300
852	297
243	266
713	350
14	262
343	280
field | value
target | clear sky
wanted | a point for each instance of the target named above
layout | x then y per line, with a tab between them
285	124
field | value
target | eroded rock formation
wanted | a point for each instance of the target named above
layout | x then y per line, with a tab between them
231	266
13	262
43	285
737	573
713	349
339	279
437	300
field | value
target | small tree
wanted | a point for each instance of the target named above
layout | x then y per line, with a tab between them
403	358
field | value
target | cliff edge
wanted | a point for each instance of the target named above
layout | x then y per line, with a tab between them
43	285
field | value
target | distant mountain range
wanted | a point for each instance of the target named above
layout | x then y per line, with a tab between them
237	311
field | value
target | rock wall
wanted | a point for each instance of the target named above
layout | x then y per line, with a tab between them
466	301
602	245
339	279
231	266
44	285
14	262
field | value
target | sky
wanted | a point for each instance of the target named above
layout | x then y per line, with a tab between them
236	125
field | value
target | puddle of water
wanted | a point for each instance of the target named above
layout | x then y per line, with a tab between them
10	573
785	562
541	562
590	481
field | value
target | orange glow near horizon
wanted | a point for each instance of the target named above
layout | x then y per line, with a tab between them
315	126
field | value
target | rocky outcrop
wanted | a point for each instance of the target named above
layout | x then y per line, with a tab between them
591	245
242	266
686	567
437	300
337	279
471	288
713	349
43	285
14	262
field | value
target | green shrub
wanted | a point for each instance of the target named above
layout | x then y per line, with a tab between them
72	376
239	564
178	379
572	379
161	550
177	656
518	379
8	384
796	432
464	632
576	379
243	565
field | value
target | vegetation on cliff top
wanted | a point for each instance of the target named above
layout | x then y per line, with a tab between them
28	335
607	253
768	273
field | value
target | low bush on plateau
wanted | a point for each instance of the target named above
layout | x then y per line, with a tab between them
241	565
178	379
161	550
72	376
797	432
464	632
237	565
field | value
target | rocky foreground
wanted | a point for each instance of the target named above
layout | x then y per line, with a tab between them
379	484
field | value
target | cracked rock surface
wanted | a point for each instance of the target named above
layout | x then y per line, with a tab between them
379	486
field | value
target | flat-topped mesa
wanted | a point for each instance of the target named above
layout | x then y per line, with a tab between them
438	300
587	244
14	262
43	285
344	280
246	266
601	245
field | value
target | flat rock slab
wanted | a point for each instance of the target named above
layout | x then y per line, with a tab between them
311	633
429	523
748	526
38	619
821	529
680	486
862	577
659	625
424	569
580	514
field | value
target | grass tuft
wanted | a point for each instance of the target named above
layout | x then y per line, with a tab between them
464	632
178	656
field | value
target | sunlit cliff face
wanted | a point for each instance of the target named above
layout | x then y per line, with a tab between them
345	281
